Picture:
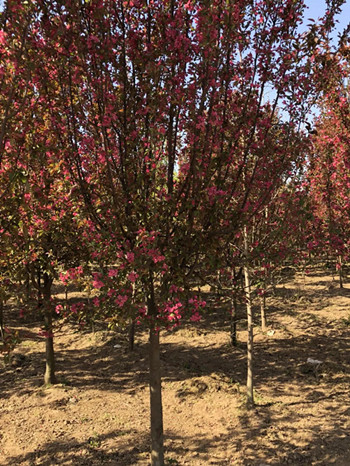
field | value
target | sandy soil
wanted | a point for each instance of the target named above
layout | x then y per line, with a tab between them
99	413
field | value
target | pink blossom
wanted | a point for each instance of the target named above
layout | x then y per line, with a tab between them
121	300
98	284
130	257
2	37
111	292
112	273
77	307
195	317
58	308
132	277
156	256
64	278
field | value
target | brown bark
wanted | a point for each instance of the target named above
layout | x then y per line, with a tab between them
132	335
157	448
50	376
2	320
157	439
234	314
27	282
341	273
250	341
263	312
132	327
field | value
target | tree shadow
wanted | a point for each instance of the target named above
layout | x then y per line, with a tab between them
195	366
109	363
88	452
244	447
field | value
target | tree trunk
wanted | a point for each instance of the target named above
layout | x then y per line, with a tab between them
157	448
27	282
341	273
263	311
49	377
234	313
132	335
248	296
157	440
2	320
132	325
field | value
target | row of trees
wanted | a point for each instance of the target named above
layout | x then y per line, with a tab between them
149	145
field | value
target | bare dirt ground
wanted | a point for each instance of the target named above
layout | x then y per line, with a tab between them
99	413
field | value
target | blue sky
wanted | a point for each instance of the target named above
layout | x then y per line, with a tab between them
318	7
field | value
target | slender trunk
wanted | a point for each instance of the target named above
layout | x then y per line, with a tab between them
39	295
49	377
132	335
157	450
157	440
27	284
248	297
263	311
2	319
218	279
340	272
234	313
132	325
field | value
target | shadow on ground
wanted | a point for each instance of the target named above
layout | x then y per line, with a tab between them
280	366
204	449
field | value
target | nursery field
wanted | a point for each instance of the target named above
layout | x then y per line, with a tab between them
99	412
174	166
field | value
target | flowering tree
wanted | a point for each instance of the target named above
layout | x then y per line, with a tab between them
329	175
159	113
45	228
38	228
14	96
